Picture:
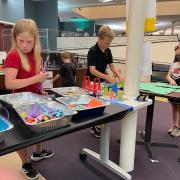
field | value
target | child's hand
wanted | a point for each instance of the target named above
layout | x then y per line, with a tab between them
112	80
42	76
121	78
44	93
173	82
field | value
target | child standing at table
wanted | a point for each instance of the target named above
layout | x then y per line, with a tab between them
67	71
174	79
23	74
99	58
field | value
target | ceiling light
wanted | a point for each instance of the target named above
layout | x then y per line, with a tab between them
39	0
104	1
116	27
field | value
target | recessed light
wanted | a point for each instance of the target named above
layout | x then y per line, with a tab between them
39	0
105	1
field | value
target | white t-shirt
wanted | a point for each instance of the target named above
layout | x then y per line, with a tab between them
176	70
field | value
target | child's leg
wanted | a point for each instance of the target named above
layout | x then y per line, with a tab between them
174	114
178	116
176	131
174	119
28	171
23	155
40	153
37	148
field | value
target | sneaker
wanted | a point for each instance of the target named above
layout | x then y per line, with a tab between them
175	132
29	172
96	131
171	129
43	155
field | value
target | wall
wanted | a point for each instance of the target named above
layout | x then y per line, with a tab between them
78	25
162	51
39	11
5	37
11	10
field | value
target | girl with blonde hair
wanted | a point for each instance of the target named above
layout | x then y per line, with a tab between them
23	74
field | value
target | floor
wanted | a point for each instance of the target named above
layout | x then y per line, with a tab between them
10	168
66	165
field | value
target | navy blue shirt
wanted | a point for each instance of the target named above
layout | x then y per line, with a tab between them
68	72
98	59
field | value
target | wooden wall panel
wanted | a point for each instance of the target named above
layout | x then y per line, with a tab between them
5	39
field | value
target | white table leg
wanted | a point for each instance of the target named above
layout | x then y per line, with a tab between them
128	141
103	157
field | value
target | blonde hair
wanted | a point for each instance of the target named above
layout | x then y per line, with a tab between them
65	55
27	25
105	31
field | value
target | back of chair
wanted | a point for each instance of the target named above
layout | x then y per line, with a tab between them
81	72
159	72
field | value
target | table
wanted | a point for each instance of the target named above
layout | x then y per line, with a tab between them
20	136
146	135
2	86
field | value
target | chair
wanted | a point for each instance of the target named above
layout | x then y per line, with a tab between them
159	72
81	72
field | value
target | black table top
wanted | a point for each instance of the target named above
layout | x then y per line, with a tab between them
173	95
20	136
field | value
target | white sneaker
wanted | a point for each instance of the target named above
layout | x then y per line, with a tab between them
171	129
175	132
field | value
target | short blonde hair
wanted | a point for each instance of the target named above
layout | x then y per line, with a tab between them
65	55
105	31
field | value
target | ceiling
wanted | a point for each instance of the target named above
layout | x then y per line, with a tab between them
66	12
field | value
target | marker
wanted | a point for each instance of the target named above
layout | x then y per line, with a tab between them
45	64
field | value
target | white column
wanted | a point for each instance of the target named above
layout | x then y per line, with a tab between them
146	66
132	75
104	142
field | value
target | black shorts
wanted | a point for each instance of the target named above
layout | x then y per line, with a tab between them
174	101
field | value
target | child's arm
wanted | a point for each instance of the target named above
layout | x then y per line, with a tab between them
12	83
116	72
101	75
56	77
169	78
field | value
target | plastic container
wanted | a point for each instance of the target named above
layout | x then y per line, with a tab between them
4	127
85	105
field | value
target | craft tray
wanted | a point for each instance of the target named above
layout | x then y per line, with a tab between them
16	99
71	91
4	127
81	104
52	123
